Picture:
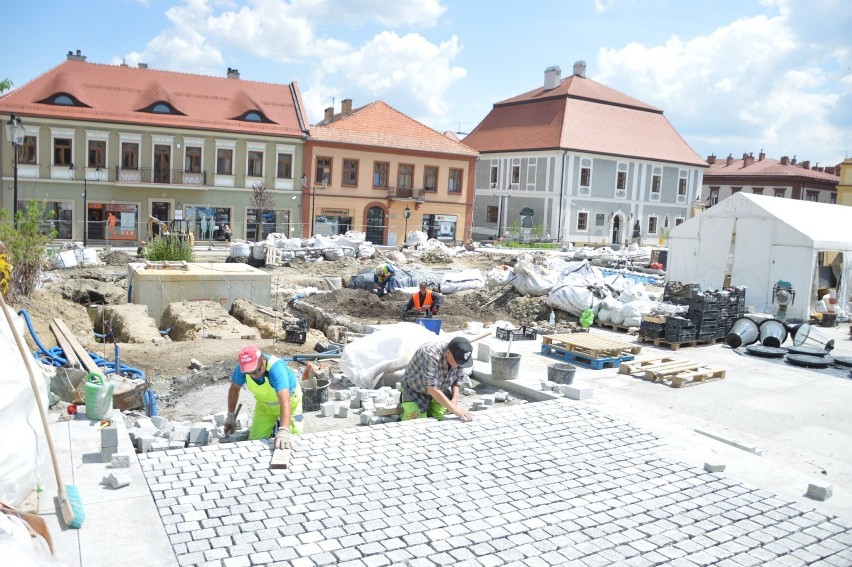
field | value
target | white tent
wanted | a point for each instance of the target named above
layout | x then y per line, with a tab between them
759	240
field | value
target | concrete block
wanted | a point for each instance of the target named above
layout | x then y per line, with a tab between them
117	480
483	352
364	394
177	444
327	409
109	436
545	385
161	423
145	423
107	453
488	400
145	443
199	435
178	434
219	418
342	411
501	396
341	395
366	416
575	393
120	461
714	467
376	420
819	491
159	445
368	405
355	402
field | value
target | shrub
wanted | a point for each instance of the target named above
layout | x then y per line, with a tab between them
171	248
25	246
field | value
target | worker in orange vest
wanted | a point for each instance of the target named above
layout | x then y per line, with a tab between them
424	303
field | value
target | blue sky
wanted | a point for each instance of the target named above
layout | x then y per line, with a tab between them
731	76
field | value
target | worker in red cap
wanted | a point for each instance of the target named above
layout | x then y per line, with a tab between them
278	395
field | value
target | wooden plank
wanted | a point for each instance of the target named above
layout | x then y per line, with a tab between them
382	412
85	360
646	361
66	347
280	459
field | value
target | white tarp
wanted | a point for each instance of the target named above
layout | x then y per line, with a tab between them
390	348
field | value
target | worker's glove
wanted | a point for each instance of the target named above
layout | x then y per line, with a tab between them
230	423
434	311
282	439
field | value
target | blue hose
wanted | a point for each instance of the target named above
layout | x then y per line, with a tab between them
56	357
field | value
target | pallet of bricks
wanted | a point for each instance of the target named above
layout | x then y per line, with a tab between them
709	317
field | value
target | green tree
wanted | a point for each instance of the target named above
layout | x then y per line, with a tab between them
538	232
26	246
5	85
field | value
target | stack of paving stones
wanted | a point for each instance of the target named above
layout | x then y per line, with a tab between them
547	483
159	434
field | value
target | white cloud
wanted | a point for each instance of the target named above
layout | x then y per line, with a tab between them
602	6
761	80
359	12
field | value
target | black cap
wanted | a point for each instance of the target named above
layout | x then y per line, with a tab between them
462	351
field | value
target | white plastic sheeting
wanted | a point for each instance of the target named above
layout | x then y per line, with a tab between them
416	238
463	280
499	276
390	348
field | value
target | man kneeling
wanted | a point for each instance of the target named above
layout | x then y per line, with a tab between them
432	381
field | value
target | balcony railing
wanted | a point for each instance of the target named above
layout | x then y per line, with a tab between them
406	193
160	175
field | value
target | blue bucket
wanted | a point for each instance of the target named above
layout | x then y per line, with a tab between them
433	325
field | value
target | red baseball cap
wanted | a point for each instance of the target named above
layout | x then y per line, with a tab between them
248	358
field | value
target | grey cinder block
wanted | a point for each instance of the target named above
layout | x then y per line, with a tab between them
109	436
819	491
120	461
575	393
342	411
107	453
714	467
483	352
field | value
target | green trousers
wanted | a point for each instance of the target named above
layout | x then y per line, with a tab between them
411	411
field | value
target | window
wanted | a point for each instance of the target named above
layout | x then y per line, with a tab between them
656	180
430	178
380	174
757	190
455	185
621	180
405	176
681	185
813	196
63	100
323	170
516	173
192	160
491	213
652	225
62	151
493	176
586	173
780	192
832	198
713	198
255	164
253	116
678	221
225	161
97	153
27	153
735	190
284	169
129	155
582	221
600	219
350	172
56	215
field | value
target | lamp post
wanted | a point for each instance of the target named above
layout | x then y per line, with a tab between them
15	133
71	170
314	201
405	214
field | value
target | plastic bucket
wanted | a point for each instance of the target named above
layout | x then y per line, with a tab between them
810	336
433	325
313	398
772	333
333	282
743	332
97	392
505	366
561	373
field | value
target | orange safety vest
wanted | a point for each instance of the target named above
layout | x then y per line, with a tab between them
426	304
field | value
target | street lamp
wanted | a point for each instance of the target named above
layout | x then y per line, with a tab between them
15	134
314	201
71	170
405	214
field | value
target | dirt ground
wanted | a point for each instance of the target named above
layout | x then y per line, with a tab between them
186	394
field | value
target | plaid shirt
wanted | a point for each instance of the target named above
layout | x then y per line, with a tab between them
428	367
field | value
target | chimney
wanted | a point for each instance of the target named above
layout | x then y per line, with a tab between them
806	164
580	69
793	161
329	114
830	170
785	160
748	159
233	73
346	106
76	57
729	160
142	65
552	77
761	155
711	159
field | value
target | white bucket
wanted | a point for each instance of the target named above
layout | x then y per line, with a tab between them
333	282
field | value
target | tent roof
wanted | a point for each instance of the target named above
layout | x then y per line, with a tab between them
825	224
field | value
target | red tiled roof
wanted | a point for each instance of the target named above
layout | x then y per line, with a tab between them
118	93
764	168
380	125
581	115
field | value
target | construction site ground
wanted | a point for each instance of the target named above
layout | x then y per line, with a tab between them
614	478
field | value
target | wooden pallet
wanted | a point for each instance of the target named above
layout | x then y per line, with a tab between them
676	346
613	326
593	346
676	372
598	363
273	258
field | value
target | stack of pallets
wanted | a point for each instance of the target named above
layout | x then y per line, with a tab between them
591	351
671	370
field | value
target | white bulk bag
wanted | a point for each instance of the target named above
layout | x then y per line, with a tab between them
390	348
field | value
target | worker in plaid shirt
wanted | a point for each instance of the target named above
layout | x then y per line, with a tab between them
432	381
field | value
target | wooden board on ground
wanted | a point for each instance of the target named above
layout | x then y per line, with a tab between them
280	459
671	370
645	361
75	346
382	412
66	347
594	346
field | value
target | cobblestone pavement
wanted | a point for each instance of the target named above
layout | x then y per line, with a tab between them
548	483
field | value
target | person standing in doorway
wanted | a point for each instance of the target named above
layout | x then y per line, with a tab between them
227	234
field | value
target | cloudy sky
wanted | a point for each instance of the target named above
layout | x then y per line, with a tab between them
731	76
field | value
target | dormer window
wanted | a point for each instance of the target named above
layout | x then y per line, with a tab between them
253	116
162	107
62	99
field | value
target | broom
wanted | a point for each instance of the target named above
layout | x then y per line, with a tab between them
69	498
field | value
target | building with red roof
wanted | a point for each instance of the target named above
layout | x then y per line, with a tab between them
107	146
765	176
583	163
